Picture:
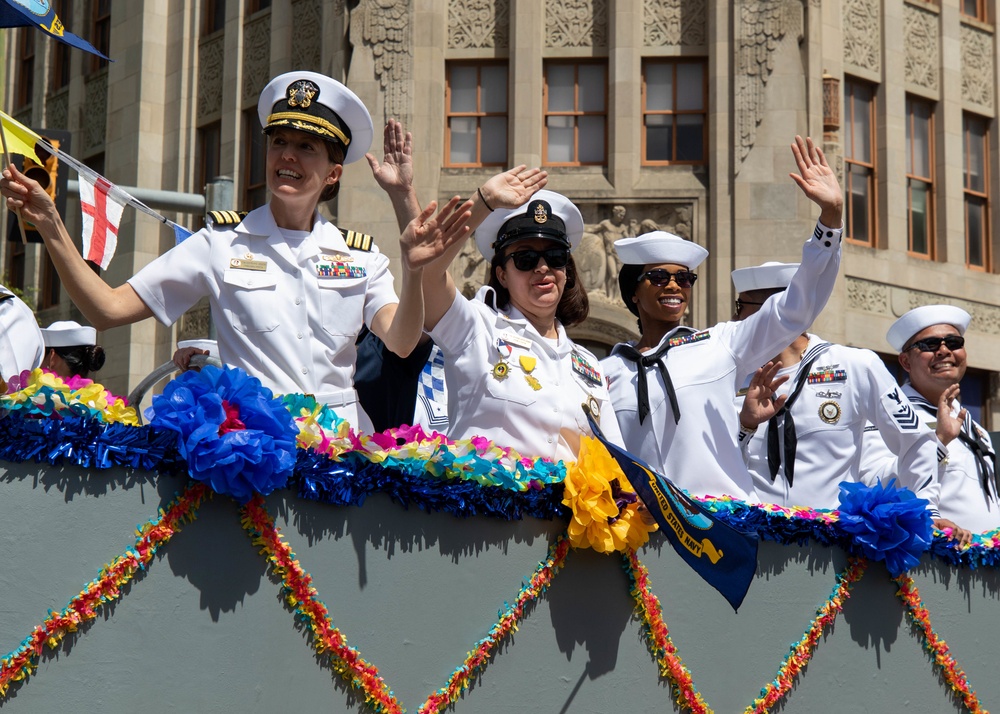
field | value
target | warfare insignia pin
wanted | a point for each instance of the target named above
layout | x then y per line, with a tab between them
829	412
301	93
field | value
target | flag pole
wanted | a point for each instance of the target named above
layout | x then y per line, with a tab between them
8	162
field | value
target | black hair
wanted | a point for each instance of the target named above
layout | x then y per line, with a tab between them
82	359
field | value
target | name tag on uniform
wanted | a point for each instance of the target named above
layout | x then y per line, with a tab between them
338	258
339	269
514	339
247	264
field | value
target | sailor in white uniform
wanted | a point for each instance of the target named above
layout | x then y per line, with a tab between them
514	376
810	435
690	435
931	345
21	344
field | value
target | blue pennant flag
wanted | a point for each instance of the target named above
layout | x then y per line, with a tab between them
725	557
41	14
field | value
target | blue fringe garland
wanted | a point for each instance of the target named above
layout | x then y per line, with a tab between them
94	445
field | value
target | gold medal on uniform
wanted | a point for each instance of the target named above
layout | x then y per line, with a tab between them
829	412
528	366
500	370
592	407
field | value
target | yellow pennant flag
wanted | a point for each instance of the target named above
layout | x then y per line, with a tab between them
20	139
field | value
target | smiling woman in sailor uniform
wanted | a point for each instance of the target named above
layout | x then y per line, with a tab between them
288	290
513	374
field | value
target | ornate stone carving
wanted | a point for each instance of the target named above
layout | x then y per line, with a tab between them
386	29
862	33
256	56
307	19
23	115
868	296
921	43
576	23
211	56
678	22
195	323
985	318
478	23
95	112
762	24
977	66
57	110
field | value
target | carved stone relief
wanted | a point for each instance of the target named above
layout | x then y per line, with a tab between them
922	46
95	116
977	66
57	110
862	34
256	56
195	323
386	30
478	23
211	55
576	23
762	24
874	297
307	19
677	22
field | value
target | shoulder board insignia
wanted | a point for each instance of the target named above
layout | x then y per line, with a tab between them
358	241
219	219
689	339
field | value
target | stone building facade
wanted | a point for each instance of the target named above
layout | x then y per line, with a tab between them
668	113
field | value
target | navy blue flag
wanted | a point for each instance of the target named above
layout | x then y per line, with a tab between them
41	14
725	557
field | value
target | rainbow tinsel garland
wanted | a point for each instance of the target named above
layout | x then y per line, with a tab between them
107	587
44	393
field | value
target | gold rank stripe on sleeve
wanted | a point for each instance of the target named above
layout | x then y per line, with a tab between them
219	219
358	241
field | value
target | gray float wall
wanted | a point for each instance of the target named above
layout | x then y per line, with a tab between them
206	629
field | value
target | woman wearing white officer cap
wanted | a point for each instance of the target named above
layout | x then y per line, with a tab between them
288	293
674	397
930	341
513	374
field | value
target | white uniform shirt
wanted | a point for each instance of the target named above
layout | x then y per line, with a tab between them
292	324
846	389
547	421
21	343
700	453
963	499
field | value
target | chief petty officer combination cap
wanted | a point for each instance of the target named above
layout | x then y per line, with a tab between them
67	333
767	276
547	215
319	105
920	318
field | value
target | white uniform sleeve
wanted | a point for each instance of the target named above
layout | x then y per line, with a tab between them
174	282
380	291
911	448
458	327
21	344
785	316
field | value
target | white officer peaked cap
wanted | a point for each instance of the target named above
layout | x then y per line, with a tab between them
660	247
767	276
547	215
319	105
920	318
67	333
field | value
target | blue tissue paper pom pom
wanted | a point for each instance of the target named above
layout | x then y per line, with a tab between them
886	523
256	459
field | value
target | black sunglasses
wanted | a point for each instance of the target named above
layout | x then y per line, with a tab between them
660	277
741	303
931	344
525	260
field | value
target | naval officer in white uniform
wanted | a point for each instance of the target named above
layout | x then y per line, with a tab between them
21	344
931	345
813	423
691	437
288	293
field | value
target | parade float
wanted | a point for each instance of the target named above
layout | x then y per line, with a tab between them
246	553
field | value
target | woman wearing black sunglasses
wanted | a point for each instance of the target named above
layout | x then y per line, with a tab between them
513	374
673	392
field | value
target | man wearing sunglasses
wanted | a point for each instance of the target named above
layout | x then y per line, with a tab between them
673	392
931	345
815	401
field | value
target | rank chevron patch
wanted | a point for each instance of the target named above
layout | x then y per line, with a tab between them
900	410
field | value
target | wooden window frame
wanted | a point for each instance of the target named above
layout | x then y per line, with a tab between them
980	12
970	196
16	261
673	62
575	113
62	66
255	6
251	126
478	115
26	67
209	8
100	23
928	180
51	287
871	167
203	132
